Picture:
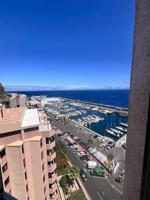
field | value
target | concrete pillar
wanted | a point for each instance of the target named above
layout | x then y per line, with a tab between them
138	105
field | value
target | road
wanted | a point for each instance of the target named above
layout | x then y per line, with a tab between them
84	135
98	188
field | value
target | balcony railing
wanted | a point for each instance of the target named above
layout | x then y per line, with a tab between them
53	188
53	179
51	145
51	157
52	168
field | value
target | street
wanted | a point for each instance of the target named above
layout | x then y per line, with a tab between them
98	188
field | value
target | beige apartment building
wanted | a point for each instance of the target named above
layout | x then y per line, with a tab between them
27	154
17	100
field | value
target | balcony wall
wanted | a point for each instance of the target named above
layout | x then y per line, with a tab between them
52	190
53	179
51	157
56	197
51	145
52	168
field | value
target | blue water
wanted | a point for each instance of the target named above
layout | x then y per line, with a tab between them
108	97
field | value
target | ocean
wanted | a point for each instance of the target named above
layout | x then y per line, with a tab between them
109	97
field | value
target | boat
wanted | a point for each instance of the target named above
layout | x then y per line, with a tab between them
111	133
125	125
117	131
121	129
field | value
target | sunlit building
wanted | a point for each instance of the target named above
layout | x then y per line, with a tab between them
27	154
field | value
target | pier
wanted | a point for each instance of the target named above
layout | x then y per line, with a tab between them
115	109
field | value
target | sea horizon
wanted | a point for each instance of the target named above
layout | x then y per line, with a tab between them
112	97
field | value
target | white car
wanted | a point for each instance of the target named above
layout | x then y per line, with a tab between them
81	153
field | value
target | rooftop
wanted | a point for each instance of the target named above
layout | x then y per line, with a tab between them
11	120
31	118
35	138
16	143
16	118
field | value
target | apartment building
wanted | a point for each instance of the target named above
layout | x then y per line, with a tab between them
27	154
17	100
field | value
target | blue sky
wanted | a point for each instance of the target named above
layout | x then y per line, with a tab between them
66	43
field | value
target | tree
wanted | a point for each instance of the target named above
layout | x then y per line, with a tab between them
90	141
110	157
64	184
2	89
71	173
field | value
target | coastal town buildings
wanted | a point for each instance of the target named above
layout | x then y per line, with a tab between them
27	154
17	100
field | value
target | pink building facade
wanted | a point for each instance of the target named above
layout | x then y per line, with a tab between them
27	154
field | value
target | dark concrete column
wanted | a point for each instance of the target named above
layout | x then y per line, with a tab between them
138	105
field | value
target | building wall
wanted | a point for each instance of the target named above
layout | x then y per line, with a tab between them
22	100
35	175
12	102
16	172
27	160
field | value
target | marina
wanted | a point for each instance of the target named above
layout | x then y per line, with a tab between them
107	122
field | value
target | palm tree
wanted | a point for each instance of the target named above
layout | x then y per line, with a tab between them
110	157
2	89
64	184
90	141
71	173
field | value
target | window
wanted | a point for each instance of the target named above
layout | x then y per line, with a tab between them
5	167
25	174
50	151
41	143
2	153
44	190
43	167
50	175
31	129
50	163
52	195
6	181
24	163
52	185
49	140
27	188
42	155
22	149
3	135
44	178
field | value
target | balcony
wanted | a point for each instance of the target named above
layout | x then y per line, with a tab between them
53	188
51	145
52	168
3	160
51	157
5	174
47	133
55	197
7	187
53	179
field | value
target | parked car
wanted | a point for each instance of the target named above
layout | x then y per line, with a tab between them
83	175
112	144
81	153
124	146
118	179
